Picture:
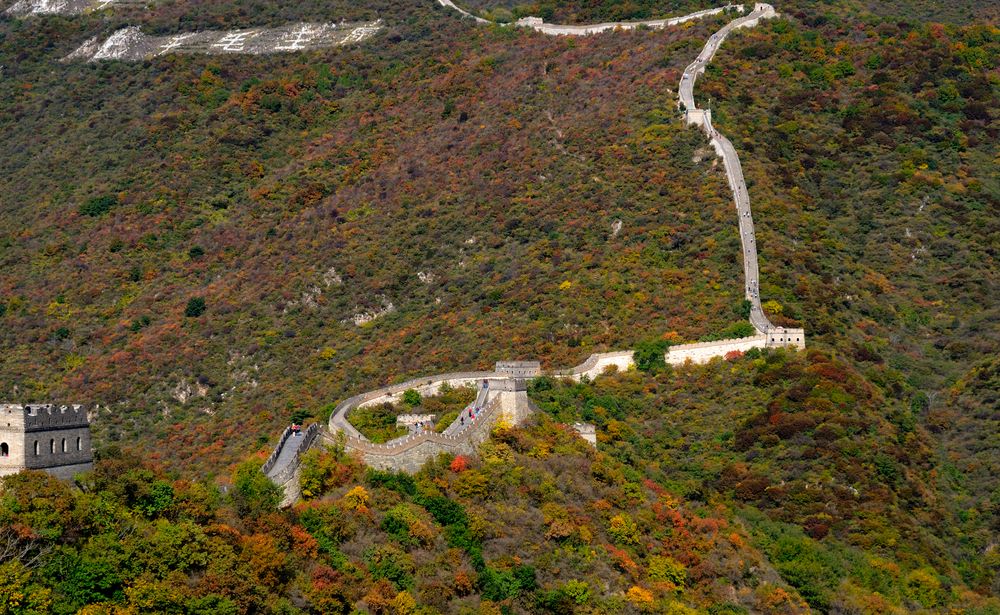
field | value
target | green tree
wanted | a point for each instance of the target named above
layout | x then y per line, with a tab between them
253	493
411	398
649	355
195	307
18	596
98	205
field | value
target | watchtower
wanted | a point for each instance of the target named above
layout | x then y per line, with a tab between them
46	437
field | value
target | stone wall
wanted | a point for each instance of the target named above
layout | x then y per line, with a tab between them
41	417
597	363
703	352
539	25
425	386
45	437
12	434
67	472
782	337
411	453
273	457
281	472
700	352
60	447
519	369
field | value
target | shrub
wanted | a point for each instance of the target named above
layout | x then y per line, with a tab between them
139	323
577	591
411	398
663	568
300	415
98	205
195	307
624	529
253	493
649	356
459	464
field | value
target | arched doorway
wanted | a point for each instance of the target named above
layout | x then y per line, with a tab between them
4	450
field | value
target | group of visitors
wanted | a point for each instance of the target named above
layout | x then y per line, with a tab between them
470	413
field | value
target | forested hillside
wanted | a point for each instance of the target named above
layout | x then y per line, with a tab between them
774	483
205	246
463	185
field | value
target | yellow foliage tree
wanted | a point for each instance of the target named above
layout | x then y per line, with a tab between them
639	596
356	499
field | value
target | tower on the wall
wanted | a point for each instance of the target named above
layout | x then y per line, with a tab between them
46	437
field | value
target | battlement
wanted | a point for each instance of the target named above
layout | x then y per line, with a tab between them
781	337
42	417
519	369
50	437
509	385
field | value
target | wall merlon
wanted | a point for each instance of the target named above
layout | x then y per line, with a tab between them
50	437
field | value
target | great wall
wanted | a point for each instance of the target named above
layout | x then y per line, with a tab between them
49	437
503	393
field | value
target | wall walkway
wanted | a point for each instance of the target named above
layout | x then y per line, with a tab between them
410	452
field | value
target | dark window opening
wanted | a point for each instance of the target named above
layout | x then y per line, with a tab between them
4	450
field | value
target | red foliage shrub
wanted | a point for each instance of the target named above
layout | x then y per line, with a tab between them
459	464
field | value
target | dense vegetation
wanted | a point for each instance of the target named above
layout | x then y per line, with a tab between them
293	194
208	247
541	524
735	487
378	422
837	483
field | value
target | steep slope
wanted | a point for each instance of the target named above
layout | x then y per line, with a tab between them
833	482
442	196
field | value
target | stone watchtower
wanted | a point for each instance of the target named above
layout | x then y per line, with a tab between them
46	437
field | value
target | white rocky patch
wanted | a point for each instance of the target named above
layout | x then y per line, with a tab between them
310	297
184	391
84	51
331	277
426	277
118	44
130	44
38	7
363	318
26	8
616	227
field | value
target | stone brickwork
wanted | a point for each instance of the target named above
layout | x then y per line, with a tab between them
44	437
703	352
503	393
781	337
519	369
410	453
597	363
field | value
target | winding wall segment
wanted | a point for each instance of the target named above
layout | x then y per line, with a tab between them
731	161
410	452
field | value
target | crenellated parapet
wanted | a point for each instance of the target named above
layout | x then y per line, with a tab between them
42	417
50	437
